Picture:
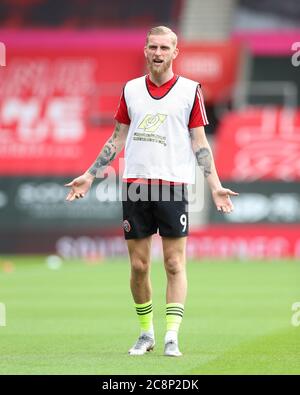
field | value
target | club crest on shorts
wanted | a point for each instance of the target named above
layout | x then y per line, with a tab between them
126	226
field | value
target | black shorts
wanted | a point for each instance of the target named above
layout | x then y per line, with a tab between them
148	208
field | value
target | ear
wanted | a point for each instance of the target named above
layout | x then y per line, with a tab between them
175	53
145	51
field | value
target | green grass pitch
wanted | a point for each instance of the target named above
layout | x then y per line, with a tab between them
80	319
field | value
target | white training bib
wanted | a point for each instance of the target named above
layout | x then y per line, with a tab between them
158	144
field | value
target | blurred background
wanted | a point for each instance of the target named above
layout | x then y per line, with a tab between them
62	69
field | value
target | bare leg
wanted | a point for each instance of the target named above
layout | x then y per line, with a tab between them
139	253
175	261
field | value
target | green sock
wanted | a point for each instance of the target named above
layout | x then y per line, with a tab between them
145	315
174	314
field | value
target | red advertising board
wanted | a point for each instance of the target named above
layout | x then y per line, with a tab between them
59	92
214	65
269	43
213	242
259	144
257	242
56	92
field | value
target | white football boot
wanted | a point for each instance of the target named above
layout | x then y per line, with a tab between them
144	343
171	349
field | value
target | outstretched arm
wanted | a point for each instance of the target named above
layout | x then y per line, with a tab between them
114	145
204	157
111	148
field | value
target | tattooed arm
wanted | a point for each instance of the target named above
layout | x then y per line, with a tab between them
204	158
111	148
81	185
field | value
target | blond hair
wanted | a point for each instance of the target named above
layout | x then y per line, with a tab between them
162	30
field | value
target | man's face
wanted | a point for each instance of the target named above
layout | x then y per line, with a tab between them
160	52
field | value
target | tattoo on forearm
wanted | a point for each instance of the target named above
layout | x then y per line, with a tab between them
107	155
203	157
116	131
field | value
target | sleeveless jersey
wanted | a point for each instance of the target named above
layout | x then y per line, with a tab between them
158	144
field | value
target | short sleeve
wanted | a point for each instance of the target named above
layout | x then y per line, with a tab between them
121	114
198	115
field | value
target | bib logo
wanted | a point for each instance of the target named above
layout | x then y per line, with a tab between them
152	122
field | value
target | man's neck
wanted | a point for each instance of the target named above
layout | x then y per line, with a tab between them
160	79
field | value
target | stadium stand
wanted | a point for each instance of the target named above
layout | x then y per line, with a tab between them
81	14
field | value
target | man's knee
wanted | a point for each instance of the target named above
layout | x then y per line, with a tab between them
174	264
139	265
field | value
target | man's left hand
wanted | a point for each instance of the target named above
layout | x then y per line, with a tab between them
222	199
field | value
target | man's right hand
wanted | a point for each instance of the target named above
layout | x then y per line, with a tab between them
79	186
